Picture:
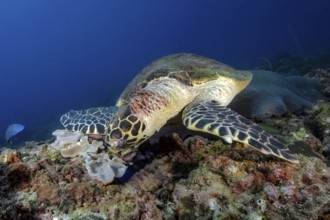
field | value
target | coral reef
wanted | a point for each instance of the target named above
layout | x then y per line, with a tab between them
176	178
280	95
324	76
320	115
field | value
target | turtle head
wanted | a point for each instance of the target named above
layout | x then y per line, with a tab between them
126	131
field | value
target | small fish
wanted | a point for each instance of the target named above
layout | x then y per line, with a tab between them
13	130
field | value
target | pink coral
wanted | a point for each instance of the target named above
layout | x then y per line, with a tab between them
271	191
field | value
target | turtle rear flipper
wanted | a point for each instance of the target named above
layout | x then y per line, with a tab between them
89	121
211	117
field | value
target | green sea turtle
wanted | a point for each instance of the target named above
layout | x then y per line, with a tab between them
194	89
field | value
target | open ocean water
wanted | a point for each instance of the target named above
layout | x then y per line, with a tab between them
62	55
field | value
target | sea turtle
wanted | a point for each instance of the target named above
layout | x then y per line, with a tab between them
190	87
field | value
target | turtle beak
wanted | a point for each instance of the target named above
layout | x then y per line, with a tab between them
117	142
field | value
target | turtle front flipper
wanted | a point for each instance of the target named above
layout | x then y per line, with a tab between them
89	121
212	118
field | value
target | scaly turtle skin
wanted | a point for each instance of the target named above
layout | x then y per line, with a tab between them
194	87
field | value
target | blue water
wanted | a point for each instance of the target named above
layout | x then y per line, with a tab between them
61	55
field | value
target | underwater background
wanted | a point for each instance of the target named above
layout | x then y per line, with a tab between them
62	55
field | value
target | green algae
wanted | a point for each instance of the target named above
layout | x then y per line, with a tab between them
299	135
269	128
323	113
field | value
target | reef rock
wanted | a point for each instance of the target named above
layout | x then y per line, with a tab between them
183	179
324	76
272	94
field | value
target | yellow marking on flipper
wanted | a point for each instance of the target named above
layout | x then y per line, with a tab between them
202	115
95	130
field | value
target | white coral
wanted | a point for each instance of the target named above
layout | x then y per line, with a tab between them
101	167
83	146
65	138
74	143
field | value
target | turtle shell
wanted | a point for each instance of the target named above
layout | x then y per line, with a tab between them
190	69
